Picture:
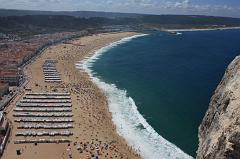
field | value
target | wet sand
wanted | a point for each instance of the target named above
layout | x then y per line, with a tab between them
94	133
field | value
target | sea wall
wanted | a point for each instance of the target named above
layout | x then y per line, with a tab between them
219	132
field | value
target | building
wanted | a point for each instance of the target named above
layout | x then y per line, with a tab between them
4	89
10	76
4	131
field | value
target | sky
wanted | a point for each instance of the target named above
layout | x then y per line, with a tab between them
194	7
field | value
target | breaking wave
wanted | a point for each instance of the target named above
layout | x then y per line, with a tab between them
130	124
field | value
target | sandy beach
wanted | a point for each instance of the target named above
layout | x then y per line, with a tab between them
94	134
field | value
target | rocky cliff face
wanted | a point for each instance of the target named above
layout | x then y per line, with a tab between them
219	133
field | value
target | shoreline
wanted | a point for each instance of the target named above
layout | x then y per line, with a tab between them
93	121
125	115
207	29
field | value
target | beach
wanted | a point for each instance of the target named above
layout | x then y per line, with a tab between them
94	133
153	85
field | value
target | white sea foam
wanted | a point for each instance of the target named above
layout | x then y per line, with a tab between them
129	122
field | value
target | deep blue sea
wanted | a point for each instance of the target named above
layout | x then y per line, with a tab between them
170	79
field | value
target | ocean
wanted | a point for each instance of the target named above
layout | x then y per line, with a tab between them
159	86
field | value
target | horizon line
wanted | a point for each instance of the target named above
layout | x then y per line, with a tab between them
35	10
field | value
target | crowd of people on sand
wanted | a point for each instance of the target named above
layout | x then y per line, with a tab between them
93	120
96	149
96	138
95	117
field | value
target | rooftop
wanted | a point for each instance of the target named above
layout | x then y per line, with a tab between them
8	72
3	85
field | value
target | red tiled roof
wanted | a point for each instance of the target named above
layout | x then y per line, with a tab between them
8	72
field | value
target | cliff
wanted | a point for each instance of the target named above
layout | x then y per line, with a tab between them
219	133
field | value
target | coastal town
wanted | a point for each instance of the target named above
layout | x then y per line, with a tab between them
51	109
132	79
15	53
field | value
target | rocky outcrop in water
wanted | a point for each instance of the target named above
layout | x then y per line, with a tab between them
219	133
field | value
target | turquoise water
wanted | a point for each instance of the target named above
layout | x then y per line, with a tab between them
171	78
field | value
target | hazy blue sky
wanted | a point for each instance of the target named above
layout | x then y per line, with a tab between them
207	7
